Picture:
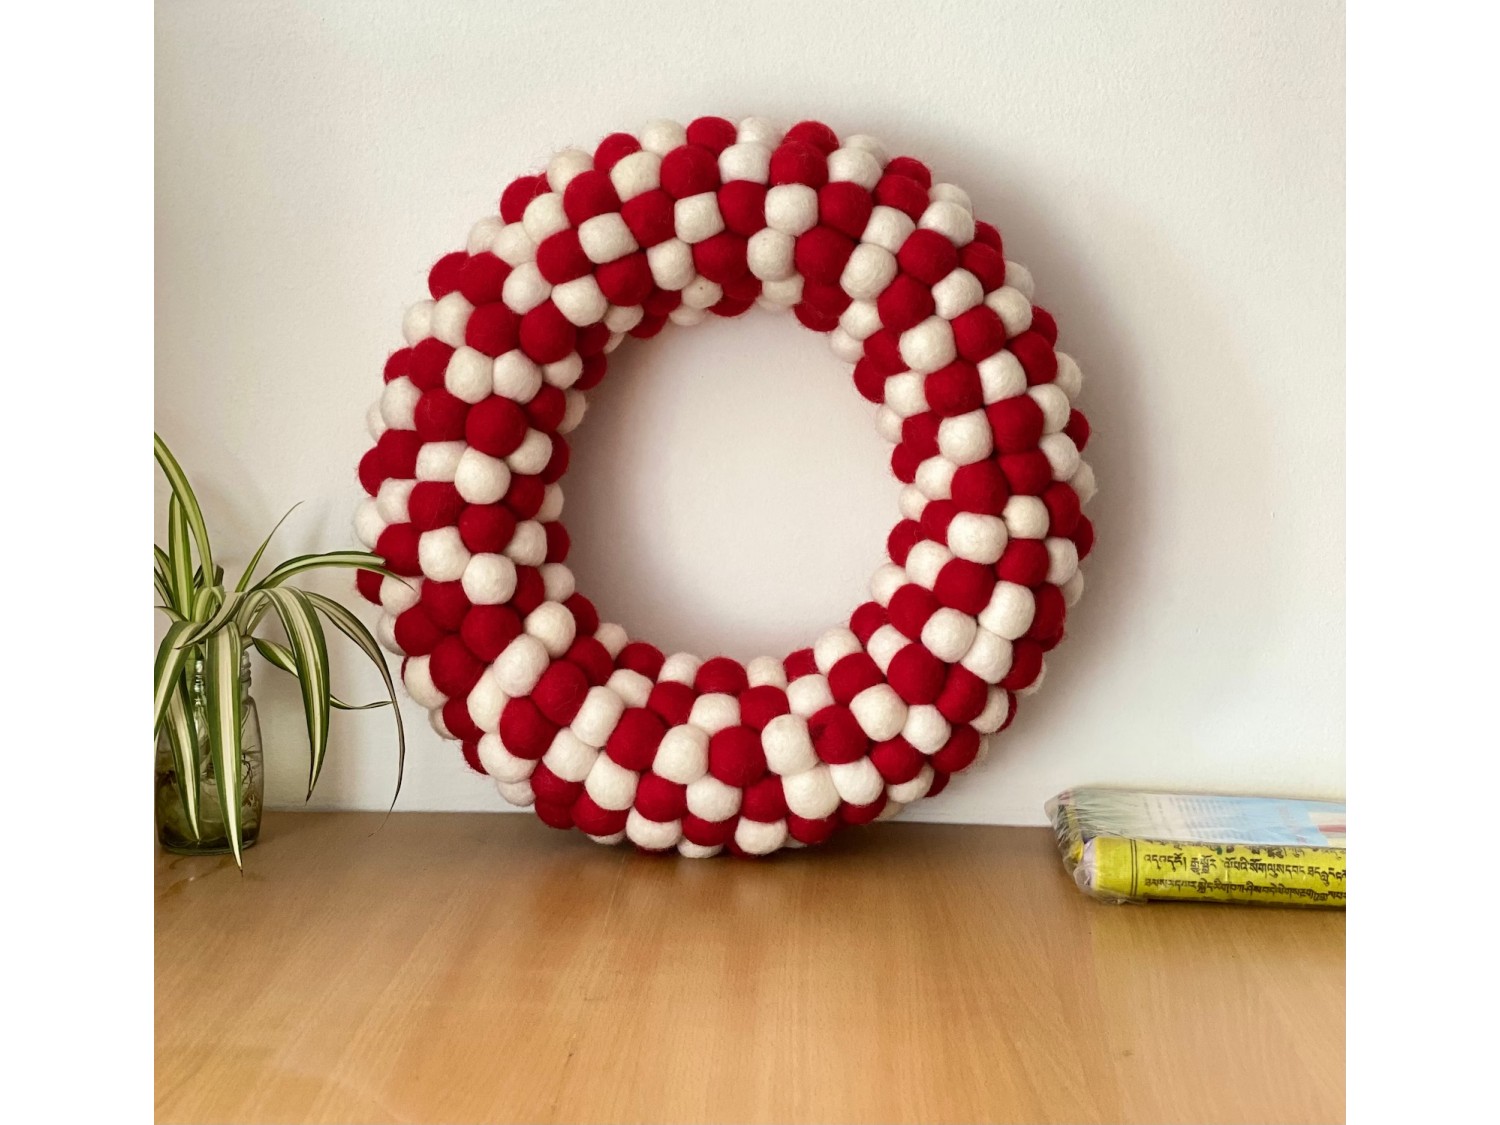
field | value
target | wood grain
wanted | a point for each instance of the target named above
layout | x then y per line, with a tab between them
469	967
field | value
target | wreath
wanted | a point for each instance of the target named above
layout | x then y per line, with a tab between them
610	735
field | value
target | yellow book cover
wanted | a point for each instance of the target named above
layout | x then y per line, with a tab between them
1125	845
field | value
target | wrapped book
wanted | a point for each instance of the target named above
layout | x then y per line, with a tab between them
1123	845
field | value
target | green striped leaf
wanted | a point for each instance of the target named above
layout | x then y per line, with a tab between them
279	656
182	735
353	628
225	714
225	611
261	550
363	560
171	657
310	654
184	493
180	558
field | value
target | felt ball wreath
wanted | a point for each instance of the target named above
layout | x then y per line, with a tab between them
609	735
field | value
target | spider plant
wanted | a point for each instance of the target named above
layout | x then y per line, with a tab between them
211	623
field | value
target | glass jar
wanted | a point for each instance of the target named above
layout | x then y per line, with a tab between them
173	831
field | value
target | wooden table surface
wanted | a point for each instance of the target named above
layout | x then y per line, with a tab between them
472	967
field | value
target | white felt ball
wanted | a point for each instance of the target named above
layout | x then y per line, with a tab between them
1062	560
513	245
416	325
1055	406
1069	378
988	657
966	438
948	634
1001	376
880	712
653	835
858	782
884	583
687	315
438	460
1012	307
995	711
608	841
385	633
747	160
636	174
436	721
950	219
1072	589
450	316
597	718
417	676
662	136
612	637
682	755
531	456
977	538
1035	685
1082	482
700	293
442	554
528	545
468	375
374	421
671	264
781	294
393	500
885	642
861	319
854	166
951	193
558	582
912	502
581	301
869	270
516	376
480	478
792	208
563	373
606	237
935	478
500	763
758	837
760	130
810	792
888	228
906	394
680	668
610	784
397	595
715	711
867	143
928	346
1061	454
957	293
486	701
1018	275
769	254
1009	612
697	217
788	745
525	288
1025	517
630	686
553	625
925	561
565	166
915	789
518	793
926	728
766	671
833	646
891	809
845	346
398	404
520	666
808	695
489	579
689	850
552	506
711	799
544	217
576	405
482	234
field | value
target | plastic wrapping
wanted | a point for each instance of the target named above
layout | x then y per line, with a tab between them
1124	845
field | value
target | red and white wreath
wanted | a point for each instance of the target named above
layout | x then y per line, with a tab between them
608	734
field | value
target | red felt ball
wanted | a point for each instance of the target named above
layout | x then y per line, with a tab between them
978	333
837	735
612	149
884	350
721	674
905	461
816	134
372	470
1063	509
811	316
731	307
735	756
560	257
1024	562
592	340
651	217
586	617
557	464
661	302
525	495
954	389
546	409
796	162
927	256
811	832
531	590
554	815
416	632
597	821
713	133
959	752
482	280
638	656
939	783
980	487
904	303
459	722
559	542
800	663
658	799
984	262
689	170
1083	537
398	546
862	814
496	426
1025	665
912	169
866	619
821	254
487	629
397	364
522	190
910	608
845	207
470	747
672	701
764	800
440	415
897	760
591	655
986	234
486	528
902	193
1078	429
965	586
903	537
1036	356
708	833
917	675
936	517
1016	422
560	692
492	329
920	431
429	363
869	380
588	195
442	279
762	703
524	730
625	281
454	669
546	335
964	695
650	324
368	583
722	258
1028	474
1044	323
633	742
1049	617
851	675
434	504
446	603
552	791
742	204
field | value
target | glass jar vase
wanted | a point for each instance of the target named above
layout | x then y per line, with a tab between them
173	830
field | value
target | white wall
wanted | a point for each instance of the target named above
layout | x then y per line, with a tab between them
1172	173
